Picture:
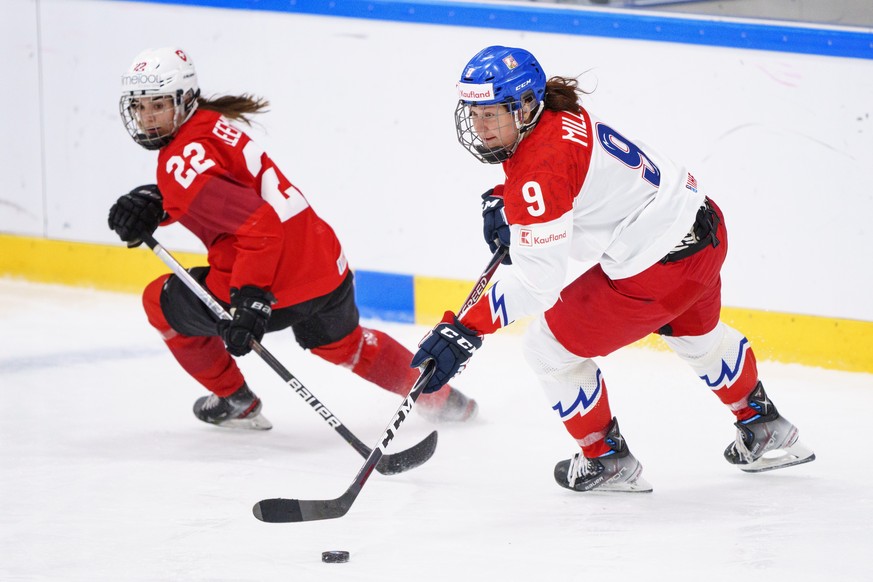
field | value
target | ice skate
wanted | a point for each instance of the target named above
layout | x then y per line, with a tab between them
617	470
766	441
456	408
242	409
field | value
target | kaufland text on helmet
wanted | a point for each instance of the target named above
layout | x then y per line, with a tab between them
475	94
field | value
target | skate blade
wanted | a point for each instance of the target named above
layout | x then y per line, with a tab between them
796	454
257	422
636	485
639	485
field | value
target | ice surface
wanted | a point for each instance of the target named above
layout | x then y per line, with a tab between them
107	475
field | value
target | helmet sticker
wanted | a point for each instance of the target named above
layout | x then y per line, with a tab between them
476	92
510	62
181	55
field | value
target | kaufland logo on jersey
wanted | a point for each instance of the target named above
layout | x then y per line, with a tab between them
527	238
476	92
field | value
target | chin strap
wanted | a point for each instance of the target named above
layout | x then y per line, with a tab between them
526	128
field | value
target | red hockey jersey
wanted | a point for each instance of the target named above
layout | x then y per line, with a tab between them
257	227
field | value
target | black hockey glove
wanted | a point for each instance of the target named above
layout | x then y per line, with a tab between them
450	344
250	308
495	229
137	213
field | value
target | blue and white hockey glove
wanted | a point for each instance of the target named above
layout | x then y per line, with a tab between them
494	226
450	345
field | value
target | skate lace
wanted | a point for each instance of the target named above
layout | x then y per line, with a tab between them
580	466
741	449
211	402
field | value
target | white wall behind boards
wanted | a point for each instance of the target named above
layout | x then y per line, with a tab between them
362	122
21	194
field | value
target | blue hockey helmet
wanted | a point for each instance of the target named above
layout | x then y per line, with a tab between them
499	75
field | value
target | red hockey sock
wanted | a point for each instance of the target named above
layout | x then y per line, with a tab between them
735	394
589	427
204	358
378	358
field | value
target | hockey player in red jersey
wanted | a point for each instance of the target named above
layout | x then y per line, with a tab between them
577	188
271	259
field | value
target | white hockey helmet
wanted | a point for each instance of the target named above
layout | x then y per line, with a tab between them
166	74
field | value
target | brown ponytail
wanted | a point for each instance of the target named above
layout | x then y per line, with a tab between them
562	94
235	107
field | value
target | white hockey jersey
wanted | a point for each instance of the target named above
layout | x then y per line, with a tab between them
577	188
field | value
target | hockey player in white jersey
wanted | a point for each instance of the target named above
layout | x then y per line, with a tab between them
578	188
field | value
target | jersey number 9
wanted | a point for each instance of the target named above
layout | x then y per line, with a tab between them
627	153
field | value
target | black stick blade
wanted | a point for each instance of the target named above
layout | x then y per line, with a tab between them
409	458
296	510
278	510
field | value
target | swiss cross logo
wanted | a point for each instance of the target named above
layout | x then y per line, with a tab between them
526	237
182	55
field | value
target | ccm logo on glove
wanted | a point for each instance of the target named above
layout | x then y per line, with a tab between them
450	344
459	339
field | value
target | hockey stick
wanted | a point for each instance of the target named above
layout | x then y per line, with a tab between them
280	510
389	464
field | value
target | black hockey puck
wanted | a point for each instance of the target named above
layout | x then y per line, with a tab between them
335	557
